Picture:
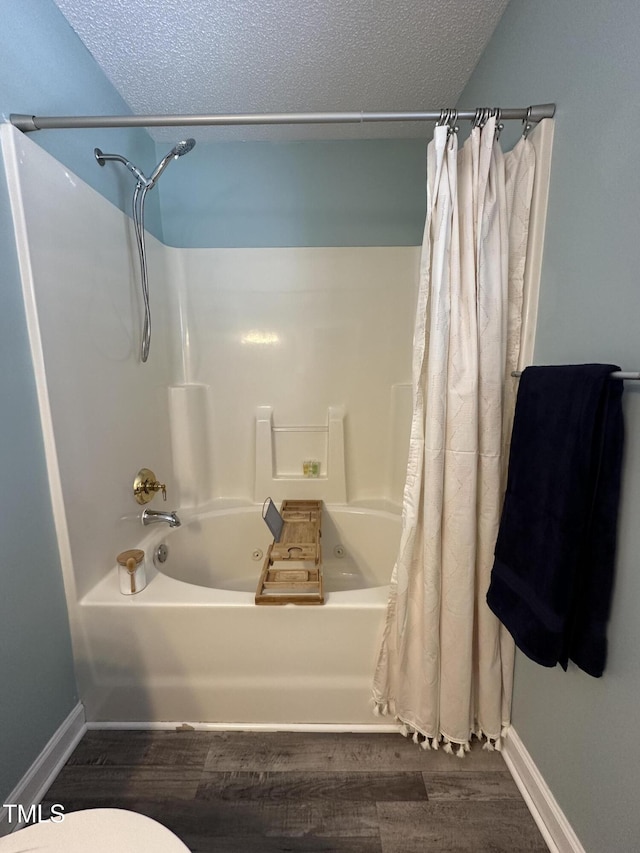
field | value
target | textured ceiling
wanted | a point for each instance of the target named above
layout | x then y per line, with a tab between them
244	56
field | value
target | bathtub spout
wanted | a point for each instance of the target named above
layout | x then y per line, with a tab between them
151	516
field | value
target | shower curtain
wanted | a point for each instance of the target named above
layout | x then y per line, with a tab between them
445	664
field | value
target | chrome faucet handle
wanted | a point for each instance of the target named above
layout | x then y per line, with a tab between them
145	485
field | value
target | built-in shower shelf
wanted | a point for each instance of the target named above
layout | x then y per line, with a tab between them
299	477
282	449
292	570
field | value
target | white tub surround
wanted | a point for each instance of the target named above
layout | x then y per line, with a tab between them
104	415
322	336
190	422
299	330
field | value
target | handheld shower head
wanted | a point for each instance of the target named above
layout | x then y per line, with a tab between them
177	151
143	185
183	147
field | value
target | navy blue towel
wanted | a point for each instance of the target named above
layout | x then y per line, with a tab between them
552	579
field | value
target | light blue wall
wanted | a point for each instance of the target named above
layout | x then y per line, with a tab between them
583	54
44	69
37	684
351	193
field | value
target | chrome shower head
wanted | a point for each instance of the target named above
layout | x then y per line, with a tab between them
143	185
177	151
183	147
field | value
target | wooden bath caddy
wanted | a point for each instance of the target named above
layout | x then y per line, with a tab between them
292	571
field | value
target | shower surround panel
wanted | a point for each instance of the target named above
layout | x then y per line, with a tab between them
300	330
104	414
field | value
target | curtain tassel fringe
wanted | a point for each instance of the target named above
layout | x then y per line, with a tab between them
428	742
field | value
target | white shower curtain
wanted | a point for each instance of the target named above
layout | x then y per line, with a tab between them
445	664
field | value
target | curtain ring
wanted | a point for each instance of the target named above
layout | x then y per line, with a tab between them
444	118
451	121
526	121
499	123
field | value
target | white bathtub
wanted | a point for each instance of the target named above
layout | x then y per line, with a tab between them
193	646
225	550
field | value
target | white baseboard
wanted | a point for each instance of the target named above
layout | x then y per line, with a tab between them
247	727
546	812
33	785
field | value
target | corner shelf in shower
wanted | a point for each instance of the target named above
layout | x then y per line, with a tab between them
292	571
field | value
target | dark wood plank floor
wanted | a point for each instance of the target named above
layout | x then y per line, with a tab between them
250	792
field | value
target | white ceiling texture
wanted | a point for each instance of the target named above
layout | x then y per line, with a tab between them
265	56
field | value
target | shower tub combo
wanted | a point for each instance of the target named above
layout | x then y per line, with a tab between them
193	646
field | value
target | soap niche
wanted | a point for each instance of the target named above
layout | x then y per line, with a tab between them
293	446
282	449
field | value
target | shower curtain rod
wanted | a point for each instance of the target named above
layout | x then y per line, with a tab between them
29	123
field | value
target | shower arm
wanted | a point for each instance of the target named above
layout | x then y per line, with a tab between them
102	158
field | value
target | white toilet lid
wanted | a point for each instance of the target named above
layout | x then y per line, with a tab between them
95	830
